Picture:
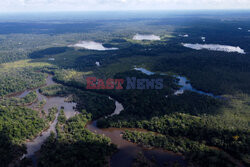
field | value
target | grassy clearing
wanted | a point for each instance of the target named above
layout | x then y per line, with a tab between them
22	64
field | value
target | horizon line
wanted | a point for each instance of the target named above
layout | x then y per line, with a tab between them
132	10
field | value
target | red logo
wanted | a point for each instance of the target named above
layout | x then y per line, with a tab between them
94	83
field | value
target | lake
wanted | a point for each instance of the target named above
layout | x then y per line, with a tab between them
150	37
91	45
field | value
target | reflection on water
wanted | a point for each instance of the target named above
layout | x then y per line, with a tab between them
215	47
128	151
184	36
183	82
150	37
97	63
118	108
143	70
185	85
35	145
91	45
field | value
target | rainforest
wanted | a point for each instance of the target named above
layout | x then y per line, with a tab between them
179	93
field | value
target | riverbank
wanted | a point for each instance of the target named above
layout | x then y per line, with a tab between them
34	145
128	151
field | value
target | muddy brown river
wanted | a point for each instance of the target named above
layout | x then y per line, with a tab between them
127	151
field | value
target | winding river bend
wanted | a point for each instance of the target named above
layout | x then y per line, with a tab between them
127	150
51	101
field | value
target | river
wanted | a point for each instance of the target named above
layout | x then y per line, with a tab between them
183	82
128	151
35	145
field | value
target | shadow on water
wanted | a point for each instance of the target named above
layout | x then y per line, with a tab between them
183	82
128	150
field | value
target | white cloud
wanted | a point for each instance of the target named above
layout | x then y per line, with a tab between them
215	47
72	5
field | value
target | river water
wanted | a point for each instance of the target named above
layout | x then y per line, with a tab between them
128	151
35	145
183	82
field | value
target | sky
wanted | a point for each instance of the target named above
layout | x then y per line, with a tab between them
117	5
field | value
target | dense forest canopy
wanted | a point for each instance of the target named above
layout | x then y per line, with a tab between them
208	131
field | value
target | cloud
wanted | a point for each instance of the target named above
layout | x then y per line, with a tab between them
71	5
